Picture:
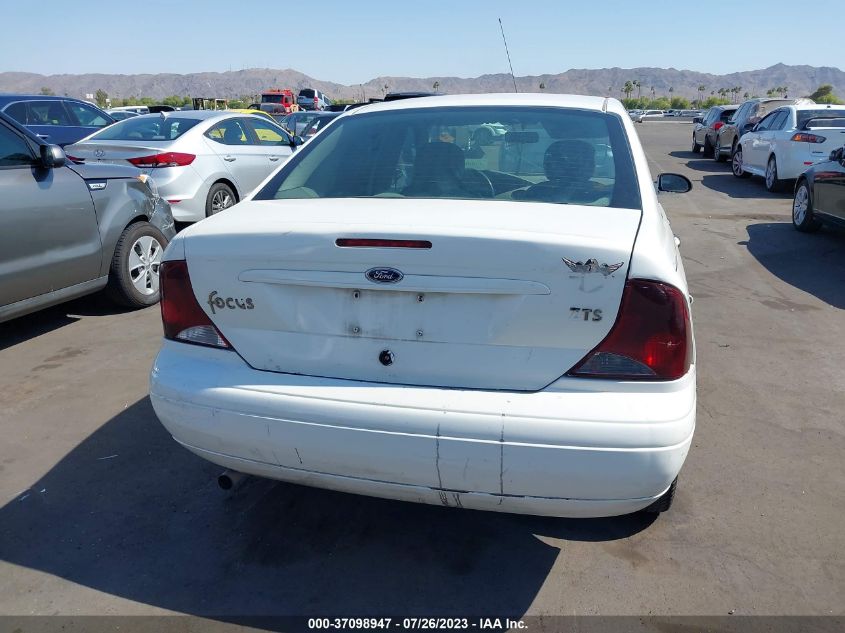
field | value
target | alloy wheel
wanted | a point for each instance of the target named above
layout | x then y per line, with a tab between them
221	200
736	162
771	174
144	263
800	204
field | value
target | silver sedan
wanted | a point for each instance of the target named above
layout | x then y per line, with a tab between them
203	161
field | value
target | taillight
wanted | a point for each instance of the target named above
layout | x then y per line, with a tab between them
717	125
166	159
806	137
651	339
181	315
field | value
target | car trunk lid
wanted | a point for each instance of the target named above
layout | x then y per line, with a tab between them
508	296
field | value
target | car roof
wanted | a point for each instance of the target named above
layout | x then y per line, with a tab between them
202	115
580	102
8	97
816	106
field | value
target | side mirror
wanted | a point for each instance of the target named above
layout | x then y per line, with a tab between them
52	156
749	127
673	183
697	119
296	140
837	154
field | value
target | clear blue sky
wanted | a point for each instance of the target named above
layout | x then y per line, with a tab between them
353	41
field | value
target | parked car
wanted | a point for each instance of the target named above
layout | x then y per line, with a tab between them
70	230
310	99
297	122
820	194
705	128
57	120
119	115
382	318
136	109
203	161
318	123
787	141
745	118
647	115
259	113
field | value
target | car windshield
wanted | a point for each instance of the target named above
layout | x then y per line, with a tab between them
146	128
821	118
536	154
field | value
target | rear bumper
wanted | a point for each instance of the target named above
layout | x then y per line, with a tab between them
558	452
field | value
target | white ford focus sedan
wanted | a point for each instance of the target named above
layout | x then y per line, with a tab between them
415	308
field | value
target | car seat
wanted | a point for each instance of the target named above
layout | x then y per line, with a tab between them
568	165
438	171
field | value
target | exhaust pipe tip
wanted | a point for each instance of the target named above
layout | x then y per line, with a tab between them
230	479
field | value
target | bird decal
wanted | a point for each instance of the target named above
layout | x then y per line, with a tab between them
592	266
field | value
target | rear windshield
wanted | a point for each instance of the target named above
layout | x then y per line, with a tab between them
306	92
821	118
146	128
556	155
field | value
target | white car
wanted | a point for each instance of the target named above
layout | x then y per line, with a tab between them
647	115
788	141
514	336
203	161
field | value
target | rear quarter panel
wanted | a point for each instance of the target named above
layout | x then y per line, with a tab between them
122	202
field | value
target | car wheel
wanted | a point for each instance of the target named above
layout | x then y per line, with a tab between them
773	183
220	197
803	217
695	146
717	155
133	276
708	147
736	163
664	502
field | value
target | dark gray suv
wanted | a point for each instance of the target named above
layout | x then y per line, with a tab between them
70	230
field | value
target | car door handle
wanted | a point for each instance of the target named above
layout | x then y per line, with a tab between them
229	158
44	136
274	158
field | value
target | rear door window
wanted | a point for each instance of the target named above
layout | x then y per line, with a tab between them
48	113
18	112
230	132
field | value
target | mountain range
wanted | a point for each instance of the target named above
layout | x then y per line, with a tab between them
799	81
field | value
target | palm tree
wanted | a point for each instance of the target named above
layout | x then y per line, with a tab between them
436	85
785	91
628	88
701	90
639	86
652	92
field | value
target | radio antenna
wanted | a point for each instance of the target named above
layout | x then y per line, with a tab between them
507	52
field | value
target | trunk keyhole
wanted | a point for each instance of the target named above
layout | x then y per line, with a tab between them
386	358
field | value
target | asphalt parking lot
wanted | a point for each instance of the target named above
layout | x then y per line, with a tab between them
101	512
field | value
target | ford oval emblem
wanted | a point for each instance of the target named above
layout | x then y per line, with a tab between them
384	275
